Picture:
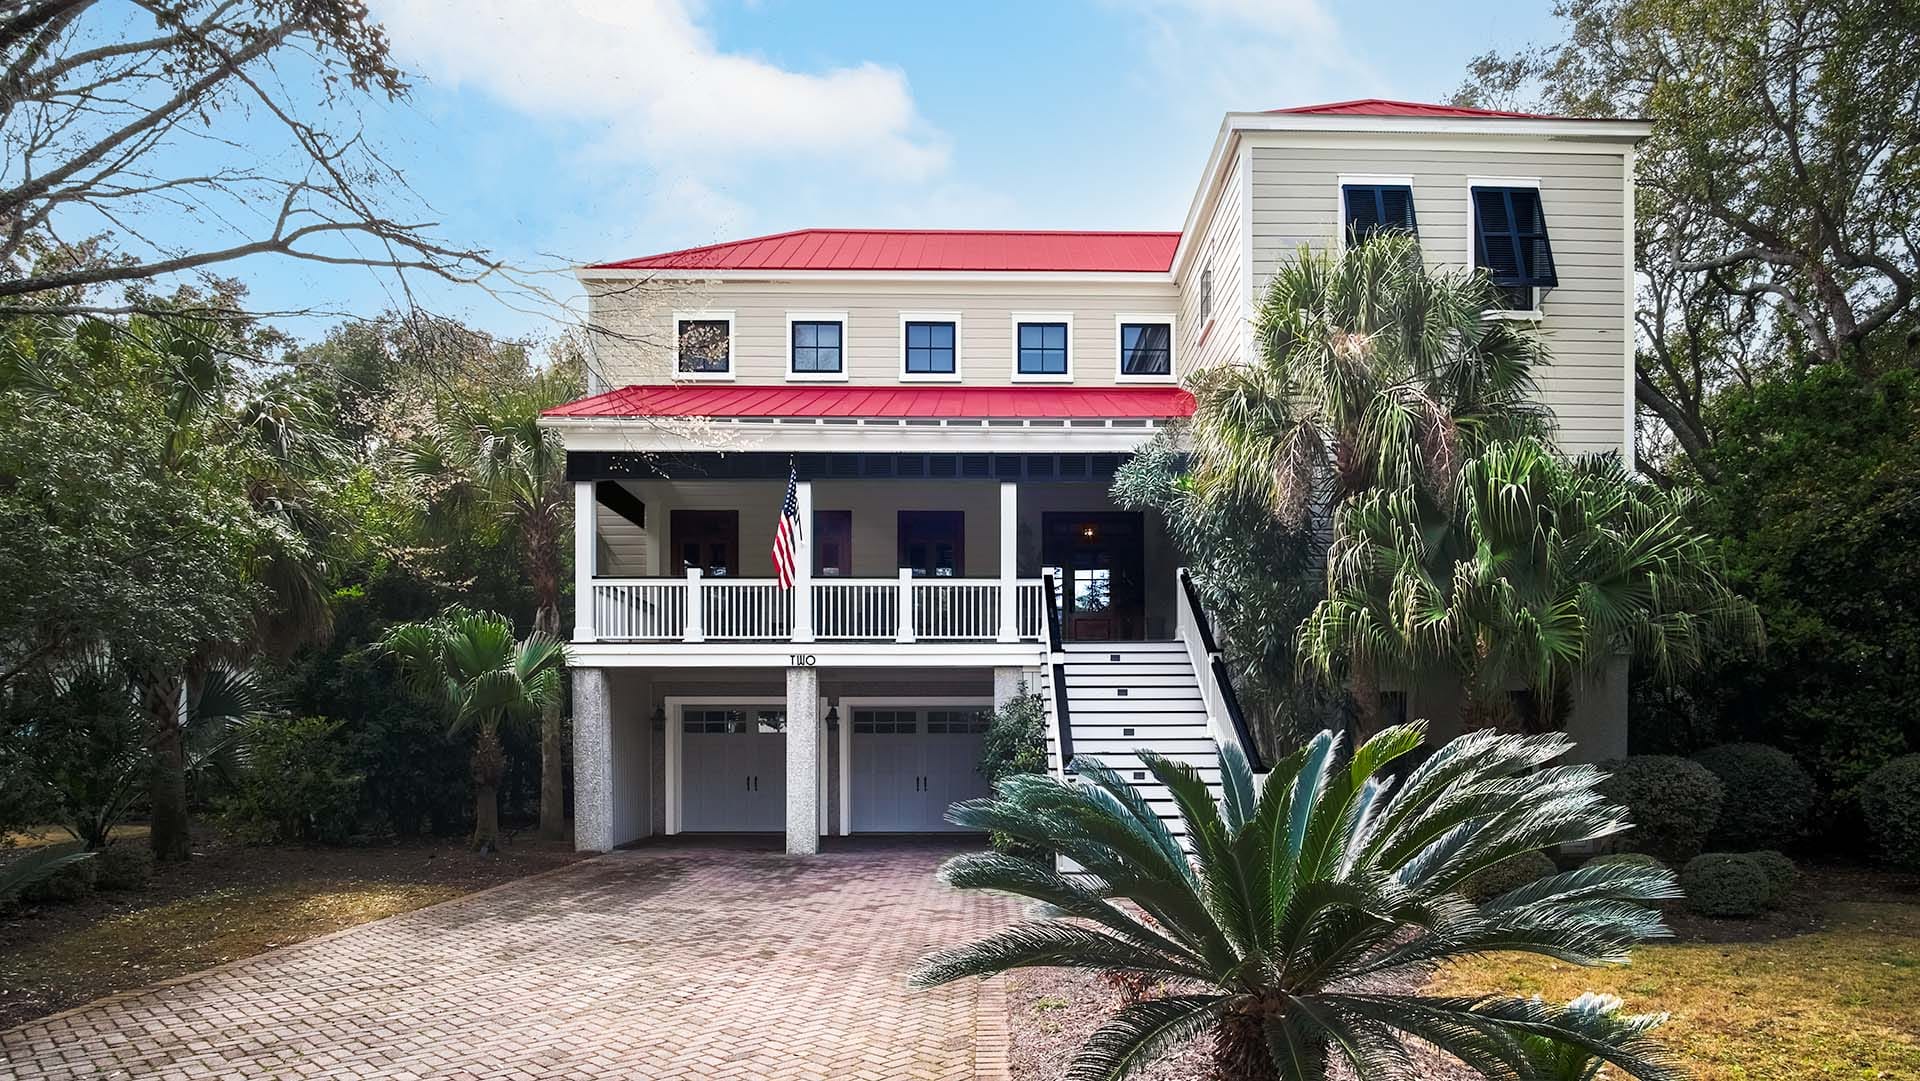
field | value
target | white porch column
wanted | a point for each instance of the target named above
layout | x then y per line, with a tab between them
1009	558
803	564
585	554
904	631
696	608
803	761
593	766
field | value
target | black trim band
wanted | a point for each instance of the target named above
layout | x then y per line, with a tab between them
759	465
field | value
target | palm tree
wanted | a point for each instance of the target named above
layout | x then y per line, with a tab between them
471	661
1306	903
1533	573
1373	369
507	464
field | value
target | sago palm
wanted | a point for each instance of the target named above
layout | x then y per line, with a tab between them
1373	369
487	679
1310	900
1537	571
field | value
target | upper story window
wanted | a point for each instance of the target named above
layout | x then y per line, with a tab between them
1146	348
1041	349
930	346
703	344
1378	206
1510	243
1206	294
817	345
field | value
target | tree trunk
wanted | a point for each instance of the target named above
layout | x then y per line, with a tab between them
1240	1050
488	764
543	559
171	835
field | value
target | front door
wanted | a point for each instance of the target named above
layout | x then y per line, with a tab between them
1099	559
708	539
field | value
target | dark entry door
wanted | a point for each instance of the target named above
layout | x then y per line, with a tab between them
1099	558
708	539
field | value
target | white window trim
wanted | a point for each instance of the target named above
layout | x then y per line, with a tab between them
817	377
1173	347
931	377
733	350
1533	314
1380	179
1013	337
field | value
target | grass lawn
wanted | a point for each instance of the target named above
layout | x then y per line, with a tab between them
1829	990
230	901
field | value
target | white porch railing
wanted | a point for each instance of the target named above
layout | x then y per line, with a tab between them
903	609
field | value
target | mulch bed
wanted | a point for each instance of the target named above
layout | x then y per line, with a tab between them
232	901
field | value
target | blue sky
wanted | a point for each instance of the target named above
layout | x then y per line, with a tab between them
577	130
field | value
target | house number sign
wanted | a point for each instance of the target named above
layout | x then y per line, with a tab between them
801	660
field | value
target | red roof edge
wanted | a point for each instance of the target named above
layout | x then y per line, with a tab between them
1390	107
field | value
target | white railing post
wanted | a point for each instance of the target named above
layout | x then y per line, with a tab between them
585	534
1009	555
803	564
905	606
696	630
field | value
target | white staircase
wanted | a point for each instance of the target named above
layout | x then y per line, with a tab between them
1125	696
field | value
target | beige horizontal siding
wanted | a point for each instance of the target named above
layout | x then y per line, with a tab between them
1296	201
633	340
1222	337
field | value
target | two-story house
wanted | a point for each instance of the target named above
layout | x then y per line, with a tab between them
951	406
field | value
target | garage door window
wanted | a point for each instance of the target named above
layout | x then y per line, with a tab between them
886	722
733	721
956	721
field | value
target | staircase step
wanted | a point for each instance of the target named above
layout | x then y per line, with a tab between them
1121	678
1125	647
1127	668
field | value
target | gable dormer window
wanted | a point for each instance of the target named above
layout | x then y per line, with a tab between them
1377	205
703	345
1510	242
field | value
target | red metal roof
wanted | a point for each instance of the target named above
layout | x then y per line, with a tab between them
923	249
1024	403
1388	107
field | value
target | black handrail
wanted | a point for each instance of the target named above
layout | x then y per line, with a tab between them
1222	678
1064	717
1053	611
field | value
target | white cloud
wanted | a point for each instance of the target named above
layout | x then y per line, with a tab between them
662	88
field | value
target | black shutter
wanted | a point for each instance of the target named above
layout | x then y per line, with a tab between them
1530	234
1396	209
1363	212
1496	250
1376	208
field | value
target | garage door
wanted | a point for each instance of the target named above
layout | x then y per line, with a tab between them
909	765
733	769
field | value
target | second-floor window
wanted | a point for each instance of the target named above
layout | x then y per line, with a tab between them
818	347
1041	349
1146	349
1510	243
1206	294
1373	209
931	347
704	344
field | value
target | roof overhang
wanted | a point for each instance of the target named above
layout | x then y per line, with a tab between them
601	273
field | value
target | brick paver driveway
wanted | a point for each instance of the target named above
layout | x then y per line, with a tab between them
682	961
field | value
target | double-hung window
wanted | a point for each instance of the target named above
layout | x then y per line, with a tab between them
1373	208
1041	347
816	344
1146	348
930	346
703	345
1510	243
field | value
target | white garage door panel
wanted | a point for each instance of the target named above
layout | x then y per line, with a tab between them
909	765
733	769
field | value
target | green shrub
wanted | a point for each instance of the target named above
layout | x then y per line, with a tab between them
1636	859
1725	884
1890	801
296	785
1768	795
1782	875
68	884
1507	875
122	867
1672	802
1015	743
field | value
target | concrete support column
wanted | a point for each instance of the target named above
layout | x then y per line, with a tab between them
1007	683
593	779
803	761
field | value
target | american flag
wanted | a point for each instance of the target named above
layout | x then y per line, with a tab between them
785	533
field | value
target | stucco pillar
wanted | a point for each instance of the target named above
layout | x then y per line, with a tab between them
593	770
1007	684
803	761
